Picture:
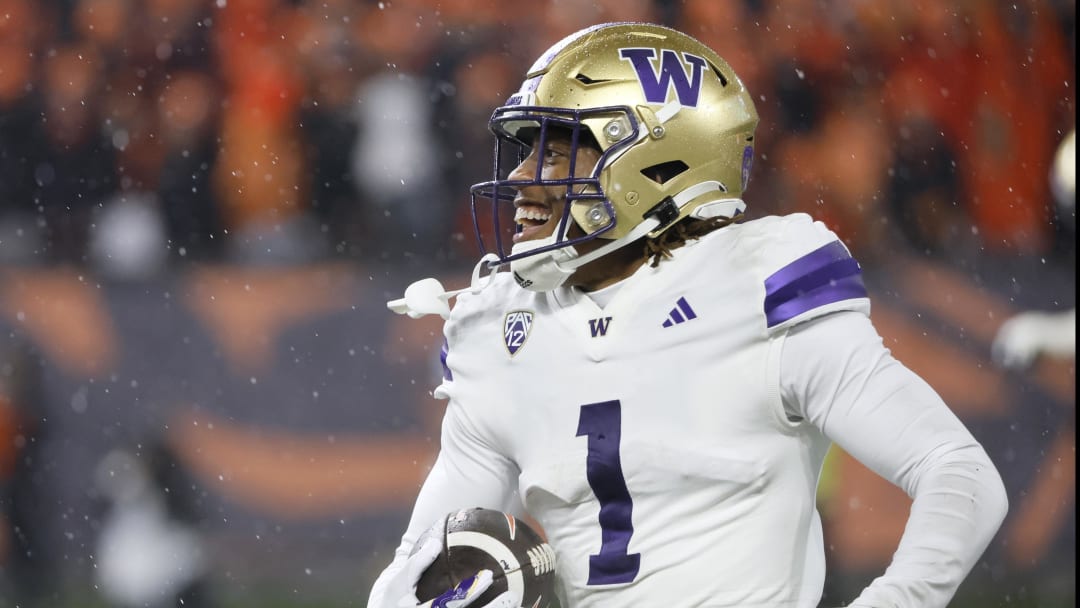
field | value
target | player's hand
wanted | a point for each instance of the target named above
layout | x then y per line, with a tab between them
463	595
396	586
404	588
1027	335
467	591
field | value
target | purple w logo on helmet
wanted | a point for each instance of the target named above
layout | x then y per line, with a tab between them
684	75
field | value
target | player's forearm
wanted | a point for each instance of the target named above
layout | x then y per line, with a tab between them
958	506
465	474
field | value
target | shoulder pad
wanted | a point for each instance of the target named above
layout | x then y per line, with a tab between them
468	306
808	273
472	312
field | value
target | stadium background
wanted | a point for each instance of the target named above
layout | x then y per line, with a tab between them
204	205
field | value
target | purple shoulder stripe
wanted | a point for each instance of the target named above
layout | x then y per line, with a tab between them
442	359
826	275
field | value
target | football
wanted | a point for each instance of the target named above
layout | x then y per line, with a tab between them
475	539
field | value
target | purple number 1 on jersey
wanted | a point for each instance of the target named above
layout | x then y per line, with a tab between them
602	423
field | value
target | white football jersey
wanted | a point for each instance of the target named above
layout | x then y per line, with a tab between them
648	437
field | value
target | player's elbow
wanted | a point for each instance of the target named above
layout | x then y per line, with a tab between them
997	498
992	495
983	483
967	473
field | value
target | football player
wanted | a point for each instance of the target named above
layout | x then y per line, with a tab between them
657	383
1026	336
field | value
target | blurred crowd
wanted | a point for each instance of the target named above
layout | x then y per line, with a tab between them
204	205
349	127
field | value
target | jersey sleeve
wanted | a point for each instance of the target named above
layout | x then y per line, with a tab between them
451	329
894	423
807	272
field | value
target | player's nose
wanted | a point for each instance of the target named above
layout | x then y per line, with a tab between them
526	170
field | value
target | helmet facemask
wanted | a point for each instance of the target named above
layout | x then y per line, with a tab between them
518	129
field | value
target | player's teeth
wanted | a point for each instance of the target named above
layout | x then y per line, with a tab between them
526	213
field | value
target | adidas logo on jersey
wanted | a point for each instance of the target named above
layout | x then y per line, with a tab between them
680	314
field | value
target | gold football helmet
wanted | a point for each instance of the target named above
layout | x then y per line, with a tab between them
674	124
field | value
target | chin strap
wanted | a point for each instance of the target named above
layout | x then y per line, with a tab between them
639	231
726	207
429	297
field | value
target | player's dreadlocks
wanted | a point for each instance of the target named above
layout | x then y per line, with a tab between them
688	229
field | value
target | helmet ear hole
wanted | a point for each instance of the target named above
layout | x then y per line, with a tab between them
585	80
664	172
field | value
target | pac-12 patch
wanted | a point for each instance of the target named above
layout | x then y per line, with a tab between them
516	328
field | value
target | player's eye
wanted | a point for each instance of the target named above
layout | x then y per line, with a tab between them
553	154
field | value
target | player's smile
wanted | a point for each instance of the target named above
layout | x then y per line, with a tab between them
539	209
536	220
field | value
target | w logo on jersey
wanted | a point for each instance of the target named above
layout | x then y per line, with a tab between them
599	327
684	75
516	328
